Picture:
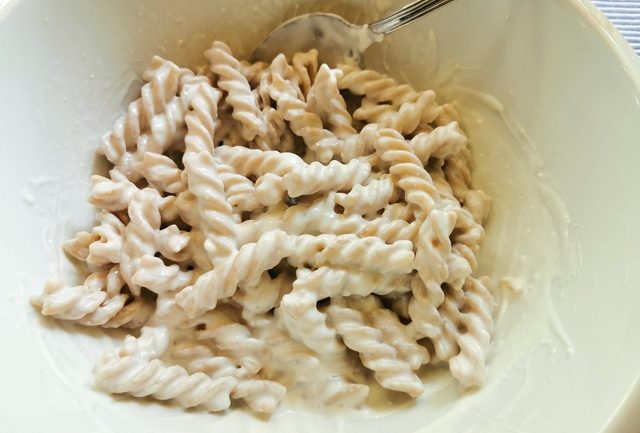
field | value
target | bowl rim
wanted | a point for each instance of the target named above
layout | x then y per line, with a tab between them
624	418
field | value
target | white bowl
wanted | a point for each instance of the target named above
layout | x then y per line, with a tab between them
550	96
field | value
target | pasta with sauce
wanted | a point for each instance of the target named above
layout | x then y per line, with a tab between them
255	227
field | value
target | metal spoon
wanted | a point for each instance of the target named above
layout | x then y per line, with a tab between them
336	39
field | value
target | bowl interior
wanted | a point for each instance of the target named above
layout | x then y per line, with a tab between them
552	114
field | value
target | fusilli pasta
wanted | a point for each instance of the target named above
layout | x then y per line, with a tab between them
281	227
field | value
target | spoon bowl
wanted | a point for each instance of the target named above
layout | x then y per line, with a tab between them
336	39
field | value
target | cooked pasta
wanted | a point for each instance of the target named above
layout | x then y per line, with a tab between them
281	227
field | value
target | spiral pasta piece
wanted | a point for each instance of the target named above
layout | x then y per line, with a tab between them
97	302
100	247
432	249
255	162
369	198
113	193
152	123
303	321
139	235
410	114
375	86
216	216
240	191
300	316
244	267
319	217
199	357
389	370
324	98
153	274
441	143
367	254
239	95
232	340
253	71
161	172
136	370
175	244
407	170
474	328
393	331
305	66
302	122
316	177
263	296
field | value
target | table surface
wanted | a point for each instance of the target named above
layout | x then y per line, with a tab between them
625	15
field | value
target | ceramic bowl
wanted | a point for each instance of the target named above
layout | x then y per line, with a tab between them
550	97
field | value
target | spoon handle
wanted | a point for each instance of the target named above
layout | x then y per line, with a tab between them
404	16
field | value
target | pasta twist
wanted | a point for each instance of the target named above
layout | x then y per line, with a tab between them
319	217
367	254
260	395
161	172
232	340
316	177
253	72
442	142
407	170
240	191
278	136
305	66
153	274
239	95
467	330
199	357
255	162
244	267
100	247
393	331
406	119
97	302
324	98
263	296
291	360
175	244
74	303
139	235
330	282
374	85
158	110
389	370
136	370
369	198
112	194
216	216
432	250
133	315
298	311
310	179
305	323
302	122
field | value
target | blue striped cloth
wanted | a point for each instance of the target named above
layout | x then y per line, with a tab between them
625	15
